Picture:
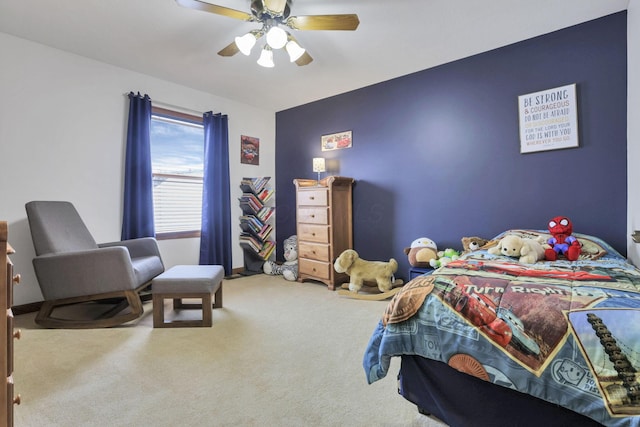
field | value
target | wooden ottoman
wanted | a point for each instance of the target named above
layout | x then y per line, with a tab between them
187	281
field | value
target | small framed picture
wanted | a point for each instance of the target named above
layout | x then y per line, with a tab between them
249	150
336	141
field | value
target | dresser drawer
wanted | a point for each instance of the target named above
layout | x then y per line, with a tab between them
313	197
313	215
317	251
321	270
10	400
10	338
313	233
10	282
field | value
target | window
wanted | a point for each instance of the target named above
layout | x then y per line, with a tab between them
177	157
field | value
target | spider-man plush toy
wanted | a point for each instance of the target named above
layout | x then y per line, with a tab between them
562	242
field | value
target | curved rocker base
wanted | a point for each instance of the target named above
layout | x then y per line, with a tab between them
371	292
104	319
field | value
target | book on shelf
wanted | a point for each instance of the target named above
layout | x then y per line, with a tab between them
254	185
264	250
250	203
265	194
265	213
267	249
250	224
252	198
249	241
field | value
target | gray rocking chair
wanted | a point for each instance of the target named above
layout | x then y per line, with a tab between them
72	268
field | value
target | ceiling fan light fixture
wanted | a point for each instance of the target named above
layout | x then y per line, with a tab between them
246	42
274	16
276	37
266	57
294	50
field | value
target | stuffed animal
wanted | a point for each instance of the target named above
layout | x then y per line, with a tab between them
422	251
290	267
528	251
444	258
561	241
470	244
360	270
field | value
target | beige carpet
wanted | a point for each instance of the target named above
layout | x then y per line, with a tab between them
279	354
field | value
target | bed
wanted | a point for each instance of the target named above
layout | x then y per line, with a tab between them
486	340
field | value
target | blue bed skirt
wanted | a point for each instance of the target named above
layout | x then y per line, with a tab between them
461	400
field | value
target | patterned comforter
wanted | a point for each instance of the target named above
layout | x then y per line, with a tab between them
566	332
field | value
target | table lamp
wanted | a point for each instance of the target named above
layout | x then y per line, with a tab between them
318	166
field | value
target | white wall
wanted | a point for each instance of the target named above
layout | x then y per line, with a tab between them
633	127
62	137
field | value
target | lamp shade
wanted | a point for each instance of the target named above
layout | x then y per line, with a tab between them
246	43
294	50
318	164
266	57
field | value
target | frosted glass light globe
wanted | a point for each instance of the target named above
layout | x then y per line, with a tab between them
266	58
294	50
276	37
246	43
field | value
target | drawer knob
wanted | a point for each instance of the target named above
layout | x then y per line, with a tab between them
16	400
17	334
16	279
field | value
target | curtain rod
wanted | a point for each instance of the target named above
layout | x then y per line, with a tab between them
168	106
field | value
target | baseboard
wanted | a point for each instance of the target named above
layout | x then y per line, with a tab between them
237	270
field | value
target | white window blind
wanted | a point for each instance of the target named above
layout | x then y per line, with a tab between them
177	203
177	157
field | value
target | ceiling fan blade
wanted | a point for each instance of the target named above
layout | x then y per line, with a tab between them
324	22
230	50
304	59
218	10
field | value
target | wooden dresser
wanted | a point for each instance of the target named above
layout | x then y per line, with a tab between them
7	334
324	216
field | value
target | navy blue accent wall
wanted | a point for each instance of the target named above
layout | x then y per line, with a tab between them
437	153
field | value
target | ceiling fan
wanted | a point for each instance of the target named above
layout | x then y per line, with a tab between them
273	15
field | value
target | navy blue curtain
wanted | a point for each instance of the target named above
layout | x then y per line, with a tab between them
215	235
137	218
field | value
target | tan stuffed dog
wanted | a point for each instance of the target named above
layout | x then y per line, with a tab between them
360	270
528	250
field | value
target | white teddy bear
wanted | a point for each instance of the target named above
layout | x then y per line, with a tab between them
528	250
290	267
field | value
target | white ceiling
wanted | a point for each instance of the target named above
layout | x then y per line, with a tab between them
395	38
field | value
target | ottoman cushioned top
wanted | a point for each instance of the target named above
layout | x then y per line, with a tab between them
188	279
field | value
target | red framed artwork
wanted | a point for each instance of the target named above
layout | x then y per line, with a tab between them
249	150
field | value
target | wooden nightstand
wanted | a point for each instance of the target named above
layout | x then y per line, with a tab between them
417	271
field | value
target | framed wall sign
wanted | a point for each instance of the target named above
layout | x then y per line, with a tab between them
249	150
548	119
336	141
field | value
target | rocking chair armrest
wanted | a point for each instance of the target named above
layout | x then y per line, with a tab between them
93	271
144	246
